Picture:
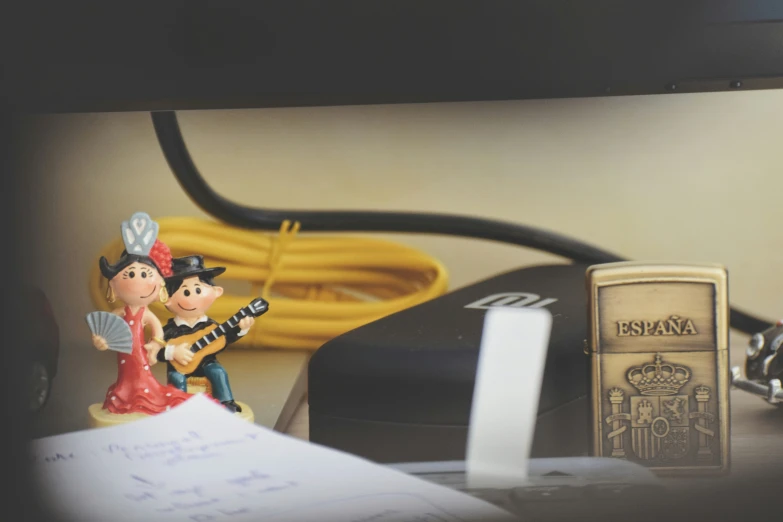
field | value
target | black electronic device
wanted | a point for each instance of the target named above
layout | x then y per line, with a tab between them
400	389
194	55
556	489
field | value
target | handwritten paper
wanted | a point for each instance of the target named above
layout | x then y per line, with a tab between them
503	416
199	463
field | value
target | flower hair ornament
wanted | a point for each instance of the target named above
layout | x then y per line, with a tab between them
140	235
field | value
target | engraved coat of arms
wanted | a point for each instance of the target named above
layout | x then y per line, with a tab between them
660	417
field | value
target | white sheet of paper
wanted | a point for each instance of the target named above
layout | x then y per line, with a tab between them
199	463
514	344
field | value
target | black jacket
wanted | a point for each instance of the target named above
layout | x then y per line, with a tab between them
171	331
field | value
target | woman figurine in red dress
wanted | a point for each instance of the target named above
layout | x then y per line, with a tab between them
137	279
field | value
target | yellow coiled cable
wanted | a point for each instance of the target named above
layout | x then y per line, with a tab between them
318	287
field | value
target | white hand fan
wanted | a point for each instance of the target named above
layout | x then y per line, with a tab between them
112	328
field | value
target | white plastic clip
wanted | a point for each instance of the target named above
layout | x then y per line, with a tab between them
510	371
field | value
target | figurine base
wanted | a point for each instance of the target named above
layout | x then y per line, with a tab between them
102	418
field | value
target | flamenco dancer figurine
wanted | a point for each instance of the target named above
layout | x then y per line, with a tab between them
192	292
137	279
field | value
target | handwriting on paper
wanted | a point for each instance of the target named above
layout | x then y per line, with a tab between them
54	457
245	480
174	451
210	499
199	463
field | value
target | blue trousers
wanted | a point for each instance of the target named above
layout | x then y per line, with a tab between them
216	375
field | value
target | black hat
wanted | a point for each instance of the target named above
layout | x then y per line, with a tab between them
190	266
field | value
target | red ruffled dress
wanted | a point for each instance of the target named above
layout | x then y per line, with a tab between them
137	390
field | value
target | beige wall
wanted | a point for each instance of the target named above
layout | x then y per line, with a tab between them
693	178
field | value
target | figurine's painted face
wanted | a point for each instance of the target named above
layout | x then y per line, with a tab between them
137	285
193	298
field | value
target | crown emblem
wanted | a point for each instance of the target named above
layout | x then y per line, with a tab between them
659	378
702	392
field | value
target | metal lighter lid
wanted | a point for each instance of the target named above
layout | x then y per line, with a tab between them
637	306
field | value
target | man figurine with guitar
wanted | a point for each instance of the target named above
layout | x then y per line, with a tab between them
193	339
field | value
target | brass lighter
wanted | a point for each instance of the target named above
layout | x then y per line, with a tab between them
658	343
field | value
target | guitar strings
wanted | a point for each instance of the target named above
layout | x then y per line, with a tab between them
322	286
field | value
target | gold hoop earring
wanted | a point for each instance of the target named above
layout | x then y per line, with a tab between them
110	296
163	294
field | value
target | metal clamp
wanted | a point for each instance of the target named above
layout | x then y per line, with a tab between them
772	392
775	396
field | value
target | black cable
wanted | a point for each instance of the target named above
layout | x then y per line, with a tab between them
193	183
178	157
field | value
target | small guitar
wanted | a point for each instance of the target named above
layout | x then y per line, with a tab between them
212	339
